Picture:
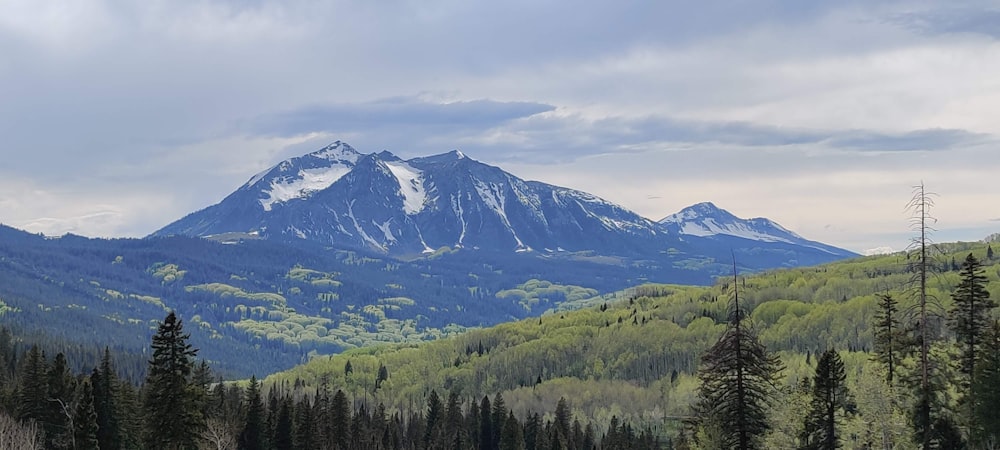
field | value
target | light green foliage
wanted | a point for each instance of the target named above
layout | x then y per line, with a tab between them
166	273
534	292
227	291
635	357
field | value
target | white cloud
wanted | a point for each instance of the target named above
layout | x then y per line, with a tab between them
811	113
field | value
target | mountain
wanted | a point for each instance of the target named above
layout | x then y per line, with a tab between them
709	221
337	196
341	198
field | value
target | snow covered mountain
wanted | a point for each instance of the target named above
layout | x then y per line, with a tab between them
709	221
338	197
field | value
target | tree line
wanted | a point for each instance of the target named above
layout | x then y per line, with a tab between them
181	405
940	377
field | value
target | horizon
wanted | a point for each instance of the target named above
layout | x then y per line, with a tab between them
820	116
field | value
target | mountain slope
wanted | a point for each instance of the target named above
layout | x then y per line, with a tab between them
636	356
336	196
340	198
709	221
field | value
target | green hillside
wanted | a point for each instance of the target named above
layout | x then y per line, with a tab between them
635	357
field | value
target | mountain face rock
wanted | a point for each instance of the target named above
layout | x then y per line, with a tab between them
337	196
341	198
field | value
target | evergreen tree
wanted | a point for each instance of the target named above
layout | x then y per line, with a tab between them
889	337
173	417
340	417
434	433
453	418
498	417
968	318
305	427
511	437
737	381
131	422
58	416
829	396
32	391
283	426
562	424
104	383
486	425
987	380
253	424
85	419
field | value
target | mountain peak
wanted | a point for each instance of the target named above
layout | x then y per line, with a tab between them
336	151
706	219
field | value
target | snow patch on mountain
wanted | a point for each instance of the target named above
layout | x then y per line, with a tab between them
307	182
411	186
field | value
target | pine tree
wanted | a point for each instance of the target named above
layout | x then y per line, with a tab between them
511	437
968	318
283	426
737	381
889	337
498	417
987	381
485	424
104	383
829	396
173	417
340	416
85	419
58	416
561	423
32	392
434	433
253	424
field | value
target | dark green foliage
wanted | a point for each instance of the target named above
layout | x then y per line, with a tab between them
434	435
340	419
829	397
283	426
251	434
890	340
85	419
32	392
969	320
171	406
105	382
987	388
486	424
511	436
737	384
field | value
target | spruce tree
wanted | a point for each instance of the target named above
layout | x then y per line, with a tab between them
340	416
85	419
172	410
987	383
32	391
968	319
486	424
511	436
253	419
829	396
105	382
434	432
737	383
889	337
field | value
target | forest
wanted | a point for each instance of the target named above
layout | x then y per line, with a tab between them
894	352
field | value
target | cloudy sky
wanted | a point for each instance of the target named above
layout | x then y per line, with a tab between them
119	117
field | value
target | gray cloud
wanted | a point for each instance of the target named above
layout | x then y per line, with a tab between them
393	113
985	22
